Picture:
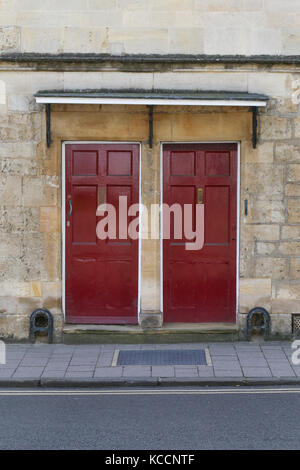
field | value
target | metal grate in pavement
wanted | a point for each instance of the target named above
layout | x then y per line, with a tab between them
296	323
161	357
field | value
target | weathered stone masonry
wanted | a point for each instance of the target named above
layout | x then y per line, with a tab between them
230	45
270	237
30	191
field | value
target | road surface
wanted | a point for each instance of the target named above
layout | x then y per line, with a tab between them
156	419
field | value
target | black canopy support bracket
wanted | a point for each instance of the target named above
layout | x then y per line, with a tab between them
150	125
254	110
254	127
48	124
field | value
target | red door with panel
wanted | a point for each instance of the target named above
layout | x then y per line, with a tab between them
101	275
200	285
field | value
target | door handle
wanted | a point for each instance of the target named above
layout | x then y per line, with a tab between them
70	208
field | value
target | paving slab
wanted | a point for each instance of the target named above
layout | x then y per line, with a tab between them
136	371
226	365
78	375
82	362
33	363
7	372
14	355
240	362
220	357
163	371
296	369
205	371
248	362
12	363
282	372
108	372
28	372
105	360
53	374
186	371
256	372
228	373
57	365
80	368
225	349
279	363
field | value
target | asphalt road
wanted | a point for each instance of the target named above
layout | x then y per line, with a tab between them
151	419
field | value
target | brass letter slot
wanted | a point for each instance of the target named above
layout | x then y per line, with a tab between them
200	195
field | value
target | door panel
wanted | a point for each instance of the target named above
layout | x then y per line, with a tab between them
84	206
217	213
101	275
200	285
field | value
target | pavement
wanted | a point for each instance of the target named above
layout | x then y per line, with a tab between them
88	365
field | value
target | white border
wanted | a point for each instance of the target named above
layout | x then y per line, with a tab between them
63	227
145	101
238	218
64	143
63	218
238	189
208	357
115	358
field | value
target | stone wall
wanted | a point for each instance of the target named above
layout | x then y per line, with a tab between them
30	235
30	184
270	236
151	26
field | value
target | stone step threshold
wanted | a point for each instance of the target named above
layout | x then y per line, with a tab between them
134	334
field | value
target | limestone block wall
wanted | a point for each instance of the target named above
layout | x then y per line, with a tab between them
30	182
30	231
151	26
270	248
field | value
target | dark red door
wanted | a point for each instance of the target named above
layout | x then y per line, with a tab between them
101	275
200	285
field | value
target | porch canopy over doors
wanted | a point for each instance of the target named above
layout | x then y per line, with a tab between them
152	98
211	169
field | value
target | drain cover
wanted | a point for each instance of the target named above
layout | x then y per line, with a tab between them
161	357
